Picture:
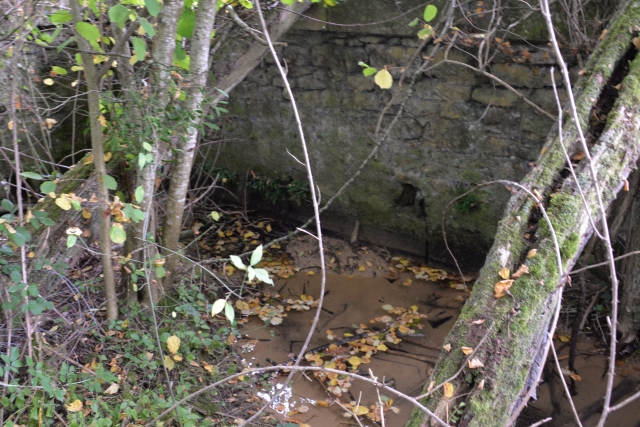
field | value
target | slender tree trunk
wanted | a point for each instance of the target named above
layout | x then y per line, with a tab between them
629	322
512	343
205	17
97	148
162	54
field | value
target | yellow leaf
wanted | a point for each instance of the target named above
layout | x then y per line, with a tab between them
505	273
89	159
447	347
268	228
168	362
125	323
448	390
10	125
86	214
322	404
103	121
501	287
177	358
230	269
221	234
361	268
355	361
382	347
31	254
63	203
362	410
467	350
532	253
48	82
564	338
74	406
173	344
107	156
311	273
383	79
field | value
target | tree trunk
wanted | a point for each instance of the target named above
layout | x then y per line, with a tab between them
199	68
514	334
97	149
629	321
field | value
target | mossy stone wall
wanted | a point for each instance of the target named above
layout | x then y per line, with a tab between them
458	129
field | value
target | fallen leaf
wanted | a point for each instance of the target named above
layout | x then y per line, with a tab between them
521	271
447	347
355	361
173	344
475	363
501	287
478	322
532	253
168	362
74	406
505	273
467	350
448	390
113	389
575	376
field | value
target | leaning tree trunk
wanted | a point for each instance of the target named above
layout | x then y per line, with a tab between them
510	334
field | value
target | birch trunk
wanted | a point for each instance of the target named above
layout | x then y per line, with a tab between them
515	331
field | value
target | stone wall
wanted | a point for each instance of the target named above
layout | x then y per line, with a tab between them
458	129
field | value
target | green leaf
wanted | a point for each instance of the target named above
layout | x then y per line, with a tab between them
89	32
370	71
142	160
251	274
362	64
32	175
263	275
71	240
147	27
246	4
430	12
60	17
18	239
118	14
287	2
215	216
229	313
256	255
117	233
153	7
186	23
48	187
139	194
147	146
139	47
237	262
425	33
414	22
7	205
58	70
109	182
160	272
16	277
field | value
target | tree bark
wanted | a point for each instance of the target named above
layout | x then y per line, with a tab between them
199	68
515	331
97	149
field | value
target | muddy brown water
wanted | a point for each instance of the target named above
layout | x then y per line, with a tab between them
354	300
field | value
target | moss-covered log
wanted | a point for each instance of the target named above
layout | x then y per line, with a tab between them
515	329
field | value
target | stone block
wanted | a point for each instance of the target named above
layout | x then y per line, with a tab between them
499	97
